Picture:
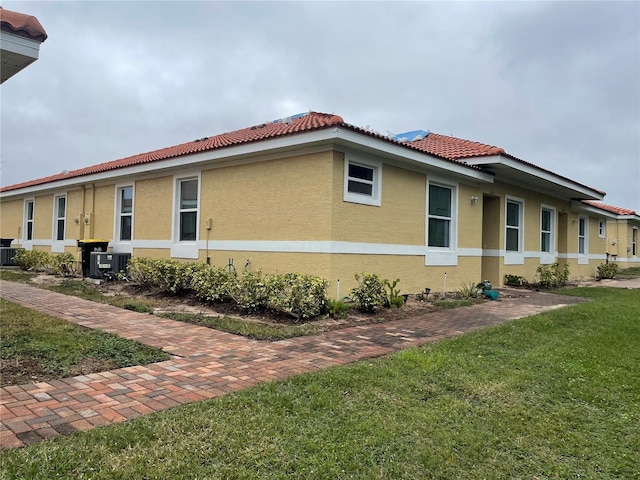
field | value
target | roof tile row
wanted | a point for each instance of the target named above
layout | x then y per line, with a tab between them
23	25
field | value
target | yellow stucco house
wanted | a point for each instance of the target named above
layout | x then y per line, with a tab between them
621	234
314	194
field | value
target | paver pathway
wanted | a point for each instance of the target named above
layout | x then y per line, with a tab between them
207	363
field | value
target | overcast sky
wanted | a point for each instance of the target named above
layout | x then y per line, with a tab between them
553	83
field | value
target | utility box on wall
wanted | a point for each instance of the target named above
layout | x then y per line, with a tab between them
103	263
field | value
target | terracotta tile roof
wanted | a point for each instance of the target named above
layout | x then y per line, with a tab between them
20	24
442	146
264	131
454	148
278	128
610	208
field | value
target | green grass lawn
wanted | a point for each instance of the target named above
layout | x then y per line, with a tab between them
38	347
632	272
551	396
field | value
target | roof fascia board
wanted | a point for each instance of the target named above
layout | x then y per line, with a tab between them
264	147
398	151
535	172
628	217
581	207
19	45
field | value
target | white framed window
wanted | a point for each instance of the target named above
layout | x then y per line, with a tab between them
602	228
440	212
441	223
583	240
514	231
546	230
29	214
124	207
362	181
186	216
634	242
59	217
547	234
59	222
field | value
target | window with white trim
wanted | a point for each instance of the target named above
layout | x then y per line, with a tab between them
59	217
634	242
546	230
187	209
582	236
602	228
362	181
125	214
28	220
513	226
440	215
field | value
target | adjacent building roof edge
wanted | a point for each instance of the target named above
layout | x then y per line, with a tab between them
619	211
21	24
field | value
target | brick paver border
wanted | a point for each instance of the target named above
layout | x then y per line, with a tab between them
207	363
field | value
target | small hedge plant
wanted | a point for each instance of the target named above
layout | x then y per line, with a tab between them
370	295
39	261
299	295
553	275
608	270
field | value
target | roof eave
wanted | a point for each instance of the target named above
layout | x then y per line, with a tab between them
508	168
338	135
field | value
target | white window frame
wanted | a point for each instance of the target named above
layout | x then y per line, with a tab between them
550	256
57	246
634	242
514	257
602	228
583	257
443	256
375	198
185	248
26	241
119	245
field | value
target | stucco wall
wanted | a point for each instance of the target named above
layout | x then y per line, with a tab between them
153	208
11	218
400	218
284	199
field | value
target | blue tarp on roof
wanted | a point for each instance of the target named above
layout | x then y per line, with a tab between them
411	136
292	117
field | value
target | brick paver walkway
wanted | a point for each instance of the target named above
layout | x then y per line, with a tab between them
207	363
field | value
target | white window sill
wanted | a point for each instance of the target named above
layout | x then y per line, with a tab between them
547	258
184	250
514	258
362	199
444	258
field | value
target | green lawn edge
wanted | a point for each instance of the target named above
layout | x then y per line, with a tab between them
556	395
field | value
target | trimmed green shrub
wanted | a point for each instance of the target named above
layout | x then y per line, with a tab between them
63	264
213	285
515	280
30	259
39	261
300	295
370	294
608	270
250	292
553	275
143	270
175	276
